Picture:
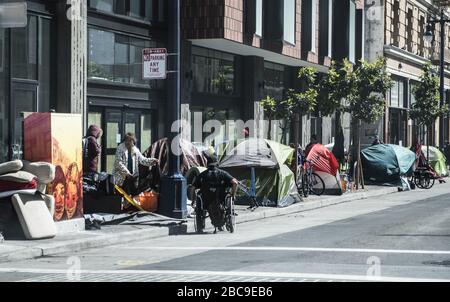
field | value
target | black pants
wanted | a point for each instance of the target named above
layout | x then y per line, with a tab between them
130	187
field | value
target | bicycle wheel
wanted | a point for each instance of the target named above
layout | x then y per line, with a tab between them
231	217
299	180
317	185
305	185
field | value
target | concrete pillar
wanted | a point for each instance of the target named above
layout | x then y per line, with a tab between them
72	61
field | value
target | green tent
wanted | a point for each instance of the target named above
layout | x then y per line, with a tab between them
275	182
386	164
437	160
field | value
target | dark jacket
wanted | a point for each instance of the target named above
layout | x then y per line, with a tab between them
91	150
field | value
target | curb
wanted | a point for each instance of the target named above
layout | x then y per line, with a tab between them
313	205
72	246
89	243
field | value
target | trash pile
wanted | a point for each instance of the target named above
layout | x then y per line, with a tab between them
25	209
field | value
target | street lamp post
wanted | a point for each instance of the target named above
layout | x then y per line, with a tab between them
173	193
429	36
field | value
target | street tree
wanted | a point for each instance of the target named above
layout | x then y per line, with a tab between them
427	108
295	101
333	90
367	101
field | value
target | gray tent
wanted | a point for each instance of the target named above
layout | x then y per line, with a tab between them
275	182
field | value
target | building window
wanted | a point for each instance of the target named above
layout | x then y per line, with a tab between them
421	34
307	28
214	71
289	21
259	18
118	58
103	5
150	10
4	95
397	94
396	24
410	30
352	32
274	80
25	44
325	27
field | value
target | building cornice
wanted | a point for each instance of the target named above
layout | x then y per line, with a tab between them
396	52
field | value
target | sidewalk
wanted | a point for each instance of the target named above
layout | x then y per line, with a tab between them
120	234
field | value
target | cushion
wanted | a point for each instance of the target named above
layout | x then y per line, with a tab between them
44	172
9	188
34	216
19	176
12	166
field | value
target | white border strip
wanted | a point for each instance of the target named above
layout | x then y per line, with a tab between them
249	274
289	249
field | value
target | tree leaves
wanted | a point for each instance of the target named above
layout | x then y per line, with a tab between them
427	107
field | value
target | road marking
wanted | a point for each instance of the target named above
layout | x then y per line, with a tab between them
250	274
286	249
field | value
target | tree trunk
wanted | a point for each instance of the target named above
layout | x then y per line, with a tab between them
339	149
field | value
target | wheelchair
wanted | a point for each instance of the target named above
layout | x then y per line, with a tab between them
222	213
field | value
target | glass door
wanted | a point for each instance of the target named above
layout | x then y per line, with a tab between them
24	99
112	136
115	124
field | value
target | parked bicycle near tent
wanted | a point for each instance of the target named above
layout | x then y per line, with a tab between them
306	180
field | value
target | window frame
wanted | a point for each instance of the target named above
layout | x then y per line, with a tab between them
152	84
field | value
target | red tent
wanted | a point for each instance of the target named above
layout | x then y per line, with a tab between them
323	160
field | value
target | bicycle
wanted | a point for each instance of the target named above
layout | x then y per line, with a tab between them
306	180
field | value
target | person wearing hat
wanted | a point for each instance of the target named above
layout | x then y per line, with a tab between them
213	184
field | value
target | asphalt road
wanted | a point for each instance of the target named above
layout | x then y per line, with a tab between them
399	237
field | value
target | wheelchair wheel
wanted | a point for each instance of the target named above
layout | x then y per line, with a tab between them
200	217
230	217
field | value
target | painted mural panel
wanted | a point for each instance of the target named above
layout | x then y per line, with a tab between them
57	138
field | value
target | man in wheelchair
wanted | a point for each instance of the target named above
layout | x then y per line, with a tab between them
213	197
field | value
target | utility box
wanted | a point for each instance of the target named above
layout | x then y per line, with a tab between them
57	139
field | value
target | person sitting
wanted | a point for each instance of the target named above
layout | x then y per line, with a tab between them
377	141
314	141
213	184
126	165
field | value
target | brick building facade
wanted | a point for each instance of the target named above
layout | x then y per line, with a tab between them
395	29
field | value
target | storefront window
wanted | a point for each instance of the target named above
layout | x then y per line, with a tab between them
3	96
274	80
118	58
213	71
25	56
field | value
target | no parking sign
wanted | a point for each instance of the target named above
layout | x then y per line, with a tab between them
154	63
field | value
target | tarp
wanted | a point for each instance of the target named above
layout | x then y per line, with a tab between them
437	160
275	182
323	160
386	164
257	153
191	156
